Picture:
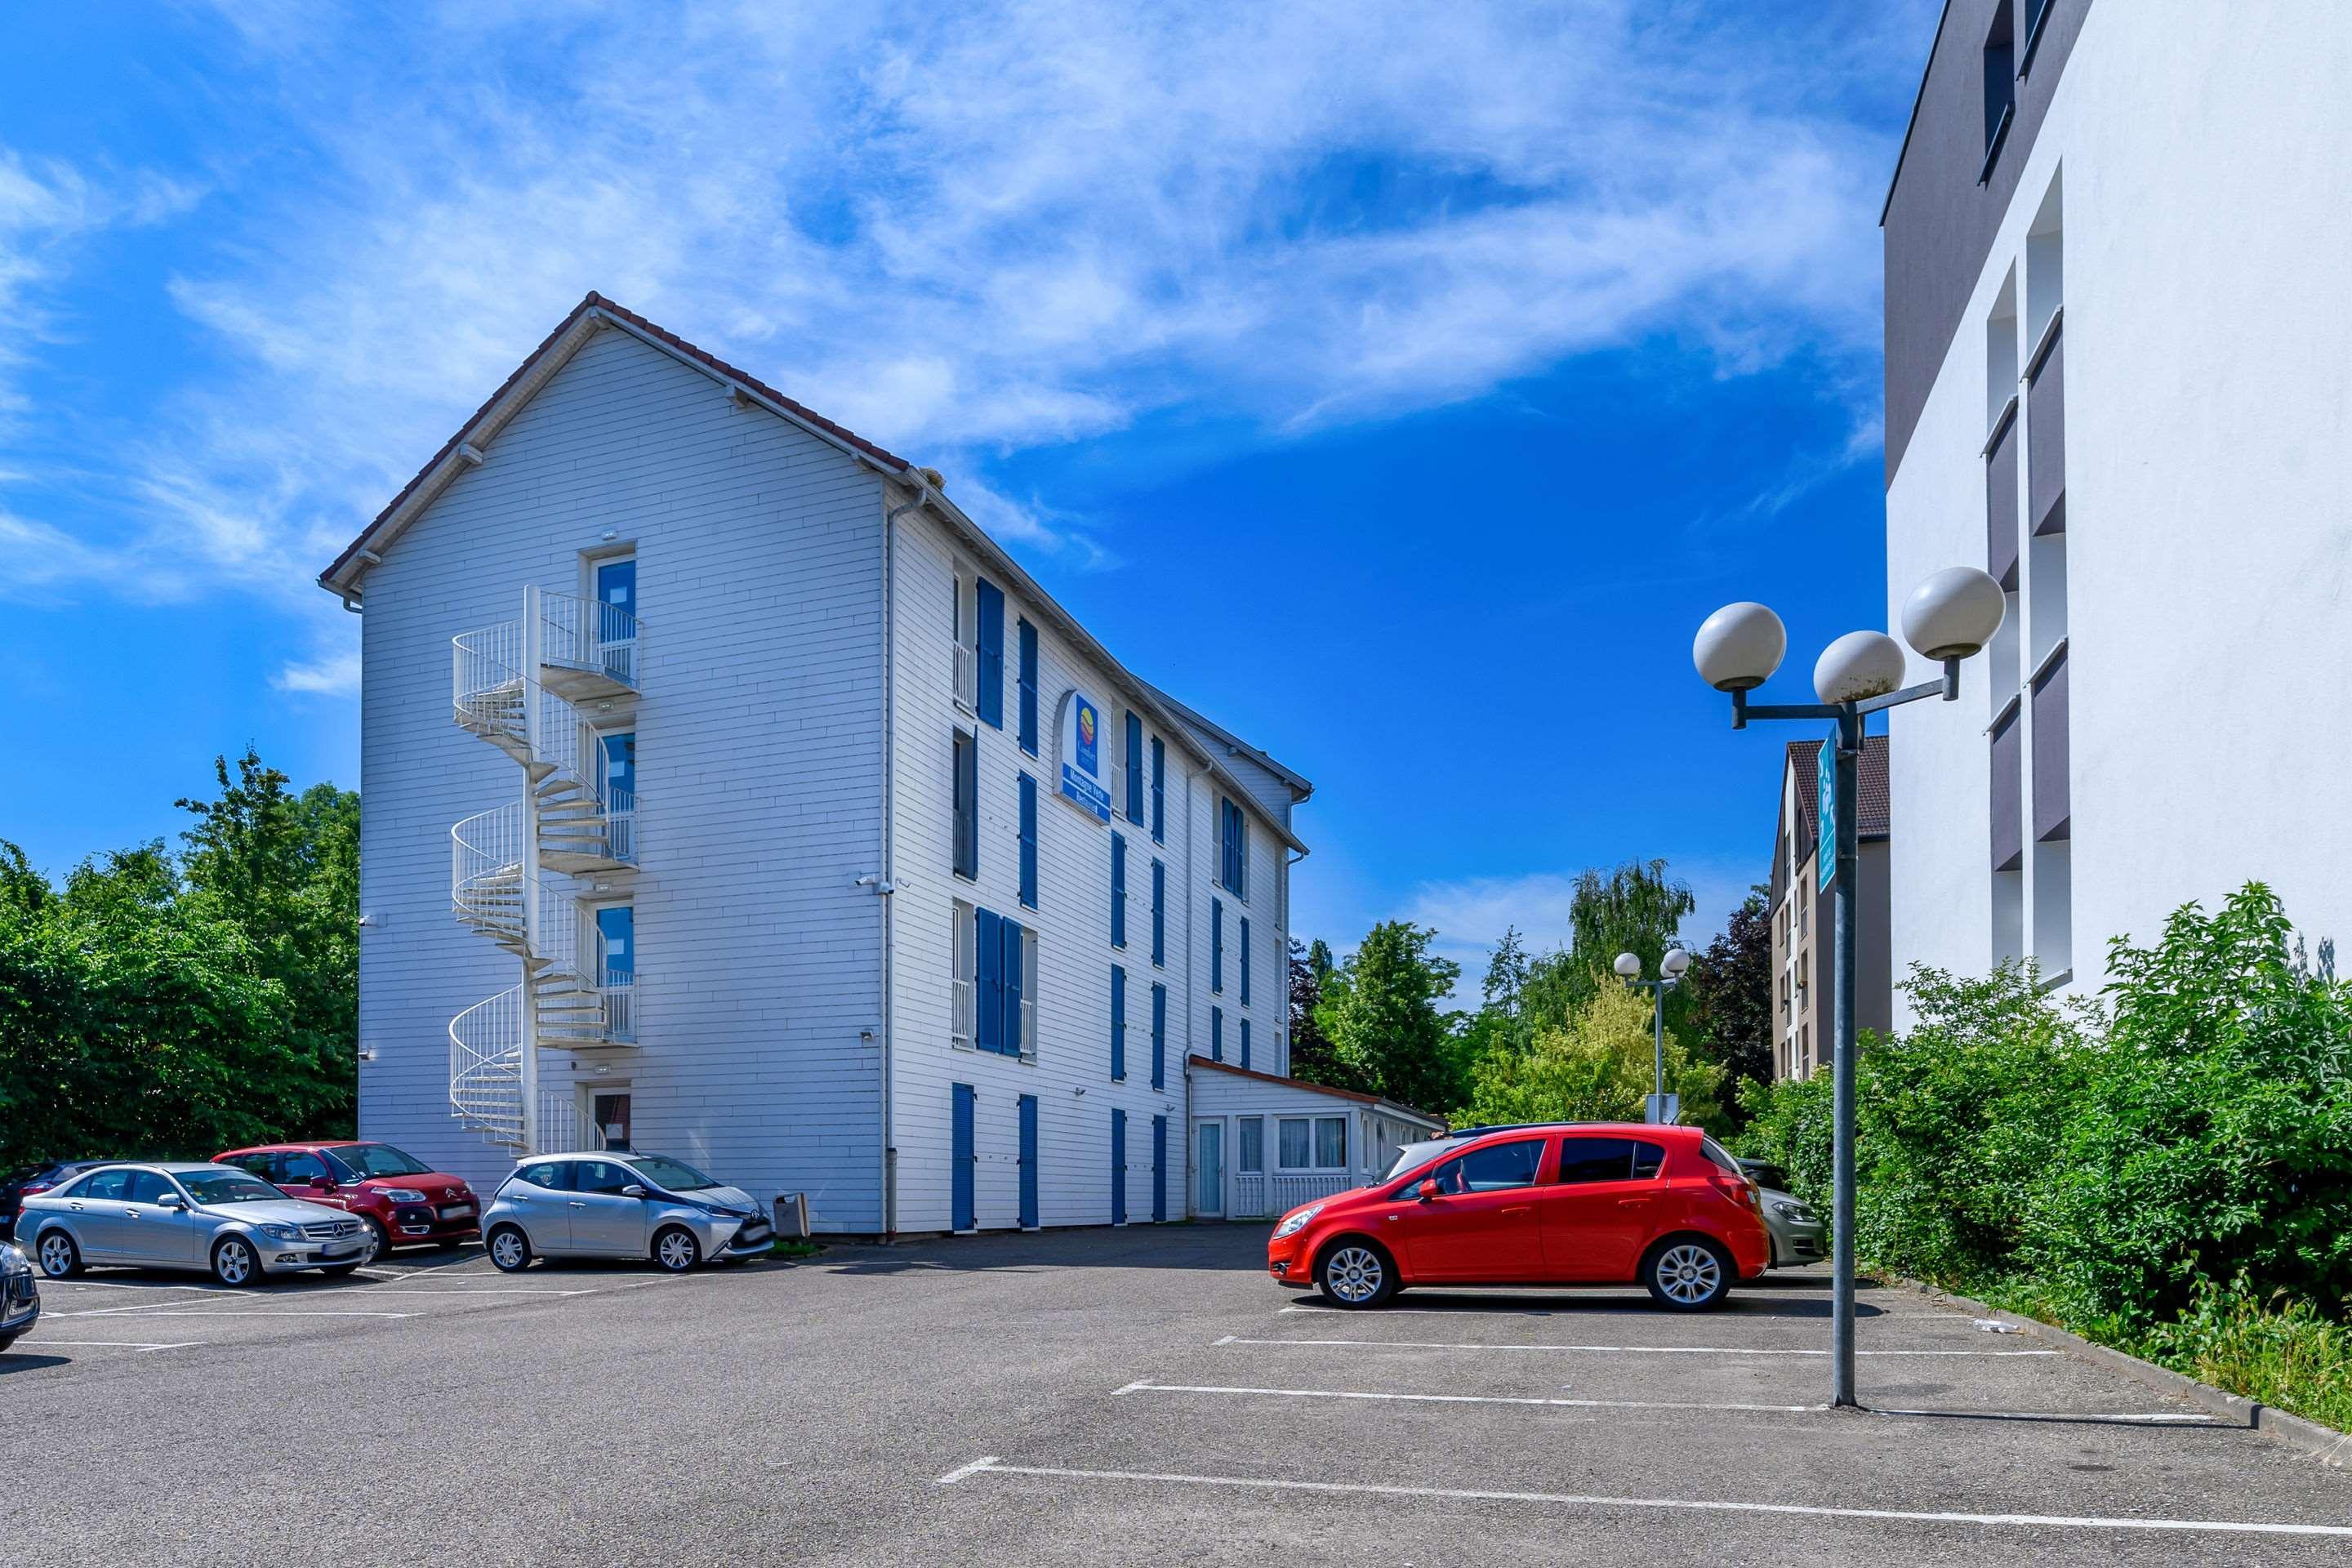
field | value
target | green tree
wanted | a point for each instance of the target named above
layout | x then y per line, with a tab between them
1728	1015
1597	1068
1383	1012
1312	1058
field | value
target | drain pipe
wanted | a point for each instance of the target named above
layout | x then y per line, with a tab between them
888	1191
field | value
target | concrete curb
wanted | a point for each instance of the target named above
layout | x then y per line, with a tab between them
2325	1443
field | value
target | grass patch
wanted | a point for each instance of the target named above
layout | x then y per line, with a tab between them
793	1248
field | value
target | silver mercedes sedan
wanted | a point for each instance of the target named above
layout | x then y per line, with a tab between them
216	1219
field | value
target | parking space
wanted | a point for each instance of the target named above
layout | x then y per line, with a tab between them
146	1312
1100	1397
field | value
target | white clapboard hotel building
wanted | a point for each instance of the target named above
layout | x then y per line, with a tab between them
726	791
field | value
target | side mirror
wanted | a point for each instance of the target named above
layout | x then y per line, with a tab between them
633	1191
171	1201
323	1183
1427	1190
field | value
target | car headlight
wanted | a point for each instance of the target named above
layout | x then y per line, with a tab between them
401	1196
1786	1209
13	1259
1297	1222
281	1233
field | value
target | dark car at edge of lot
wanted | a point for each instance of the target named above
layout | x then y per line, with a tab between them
30	1180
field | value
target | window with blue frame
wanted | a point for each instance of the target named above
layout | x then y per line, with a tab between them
1158	791
1217	944
1244	959
1117	1023
1134	767
1216	1034
1028	842
1028	687
1233	843
1118	890
620	796
1160	914
617	925
616	618
1159	1036
1004	981
989	703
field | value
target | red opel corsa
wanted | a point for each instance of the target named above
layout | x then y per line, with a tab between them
1563	1203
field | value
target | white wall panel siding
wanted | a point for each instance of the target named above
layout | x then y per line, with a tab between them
758	739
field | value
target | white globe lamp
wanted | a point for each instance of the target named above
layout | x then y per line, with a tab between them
1954	613
1858	667
1739	647
1674	963
1627	966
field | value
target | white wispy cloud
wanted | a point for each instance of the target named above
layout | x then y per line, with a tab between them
338	675
978	230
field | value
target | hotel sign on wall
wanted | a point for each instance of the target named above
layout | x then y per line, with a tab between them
1080	728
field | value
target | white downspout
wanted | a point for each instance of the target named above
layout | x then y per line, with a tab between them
889	1191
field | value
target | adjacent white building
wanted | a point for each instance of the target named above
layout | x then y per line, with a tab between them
2119	377
726	791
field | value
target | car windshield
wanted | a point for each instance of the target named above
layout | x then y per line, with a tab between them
366	1160
229	1187
1413	1155
675	1176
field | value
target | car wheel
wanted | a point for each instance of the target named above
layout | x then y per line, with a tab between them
59	1258
234	1262
675	1249
1689	1274
1356	1274
509	1249
379	1237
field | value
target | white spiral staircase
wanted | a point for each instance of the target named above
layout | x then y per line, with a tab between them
512	685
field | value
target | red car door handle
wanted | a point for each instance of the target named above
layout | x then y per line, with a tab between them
1632	1203
1520	1208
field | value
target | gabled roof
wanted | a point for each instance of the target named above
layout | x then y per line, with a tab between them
1874	812
469	446
1299	786
1358	1096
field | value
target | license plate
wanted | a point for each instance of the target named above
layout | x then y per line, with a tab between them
458	1211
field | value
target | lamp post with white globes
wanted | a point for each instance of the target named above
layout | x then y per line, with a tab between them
1949	617
1670	973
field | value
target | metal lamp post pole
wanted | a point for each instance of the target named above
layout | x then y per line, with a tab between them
1850	718
1629	970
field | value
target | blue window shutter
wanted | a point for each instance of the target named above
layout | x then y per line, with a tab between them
1159	1169
1216	1034
1028	842
1118	890
1244	937
1159	1037
992	653
1028	687
988	980
1158	791
1134	769
1245	1050
1117	1021
1117	1167
1217	944
1009	1031
1160	912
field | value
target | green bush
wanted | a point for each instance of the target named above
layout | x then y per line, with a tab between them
2145	1176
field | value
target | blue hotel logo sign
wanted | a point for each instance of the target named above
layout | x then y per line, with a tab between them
1081	749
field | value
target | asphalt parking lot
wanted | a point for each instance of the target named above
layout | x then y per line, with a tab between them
1110	1397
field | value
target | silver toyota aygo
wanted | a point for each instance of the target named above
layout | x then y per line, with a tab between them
216	1219
617	1204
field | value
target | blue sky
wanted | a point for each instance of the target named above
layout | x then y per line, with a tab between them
1505	346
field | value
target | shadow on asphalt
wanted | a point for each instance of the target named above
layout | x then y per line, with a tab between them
25	1361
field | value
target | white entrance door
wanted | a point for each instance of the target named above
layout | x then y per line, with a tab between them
1209	1169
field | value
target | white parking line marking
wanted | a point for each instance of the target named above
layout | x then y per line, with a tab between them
116	1345
1140	1386
1621	1350
269	1313
990	1465
443	1291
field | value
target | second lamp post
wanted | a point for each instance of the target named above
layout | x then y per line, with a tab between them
1670	975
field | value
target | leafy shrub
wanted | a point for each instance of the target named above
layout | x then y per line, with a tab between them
2288	1355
